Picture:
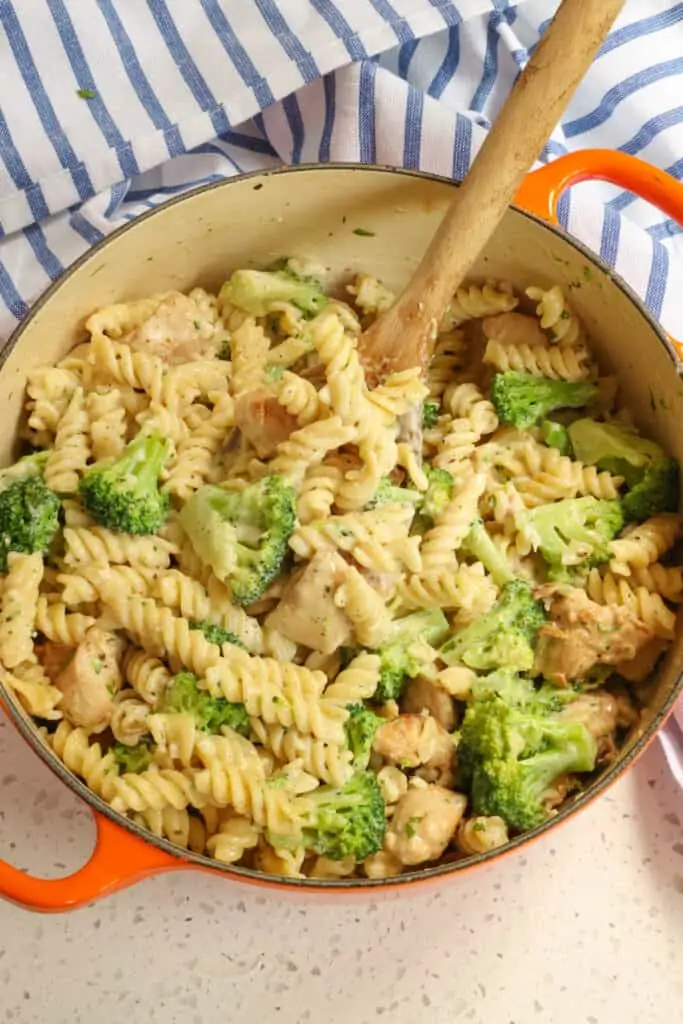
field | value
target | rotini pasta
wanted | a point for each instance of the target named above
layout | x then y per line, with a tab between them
569	362
69	456
19	608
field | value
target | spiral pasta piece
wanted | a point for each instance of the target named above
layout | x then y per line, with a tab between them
96	544
18	607
467	401
570	362
192	465
147	675
249	348
447	588
91	582
85	759
154	789
129	720
177	826
329	762
665	580
364	608
377	539
450	355
288	695
542	474
457	446
557	320
308	446
357	682
644	544
160	632
234	837
174	734
473	301
68	458
318	492
58	624
399	392
49	389
116	363
35	691
450	528
481	834
299	398
648	606
106	415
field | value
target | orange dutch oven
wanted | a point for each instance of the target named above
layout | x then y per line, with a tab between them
314	211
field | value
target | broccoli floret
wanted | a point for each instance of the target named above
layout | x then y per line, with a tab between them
27	465
242	535
349	821
29	517
430	413
502	638
216	634
361	726
523	399
657	491
123	494
184	695
608	446
573	533
479	544
389	493
556	435
652	479
520	691
510	757
438	494
403	652
258	291
133	759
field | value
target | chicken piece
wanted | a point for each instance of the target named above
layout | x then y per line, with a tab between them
422	695
307	613
583	633
639	668
177	331
423	824
91	680
262	420
602	713
417	741
514	329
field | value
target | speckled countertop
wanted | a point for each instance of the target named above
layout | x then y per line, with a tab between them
585	927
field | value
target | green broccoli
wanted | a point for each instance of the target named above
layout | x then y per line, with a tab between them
437	496
510	757
556	435
216	634
402	655
242	535
504	637
479	544
348	821
27	465
210	713
133	759
29	517
123	494
361	726
573	534
430	413
651	478
389	493
258	291
520	691
524	400
657	491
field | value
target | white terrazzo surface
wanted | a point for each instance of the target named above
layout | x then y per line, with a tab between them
584	928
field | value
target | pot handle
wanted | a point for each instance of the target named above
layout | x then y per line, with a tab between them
119	859
541	190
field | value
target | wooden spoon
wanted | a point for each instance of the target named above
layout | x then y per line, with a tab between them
403	336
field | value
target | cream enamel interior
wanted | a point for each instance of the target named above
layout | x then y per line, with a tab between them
313	214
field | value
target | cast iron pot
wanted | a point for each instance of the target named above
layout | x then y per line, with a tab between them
316	212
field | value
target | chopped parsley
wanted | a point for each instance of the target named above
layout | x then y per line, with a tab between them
364	233
86	94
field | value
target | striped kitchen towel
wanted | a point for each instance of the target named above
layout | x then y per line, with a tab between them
108	107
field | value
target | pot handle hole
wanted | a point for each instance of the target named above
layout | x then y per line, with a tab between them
541	191
118	860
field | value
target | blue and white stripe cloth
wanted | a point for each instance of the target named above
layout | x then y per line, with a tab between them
108	107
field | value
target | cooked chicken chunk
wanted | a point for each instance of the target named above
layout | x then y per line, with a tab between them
307	613
417	741
514	329
422	695
179	330
262	420
54	658
91	679
602	713
423	824
582	633
639	668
